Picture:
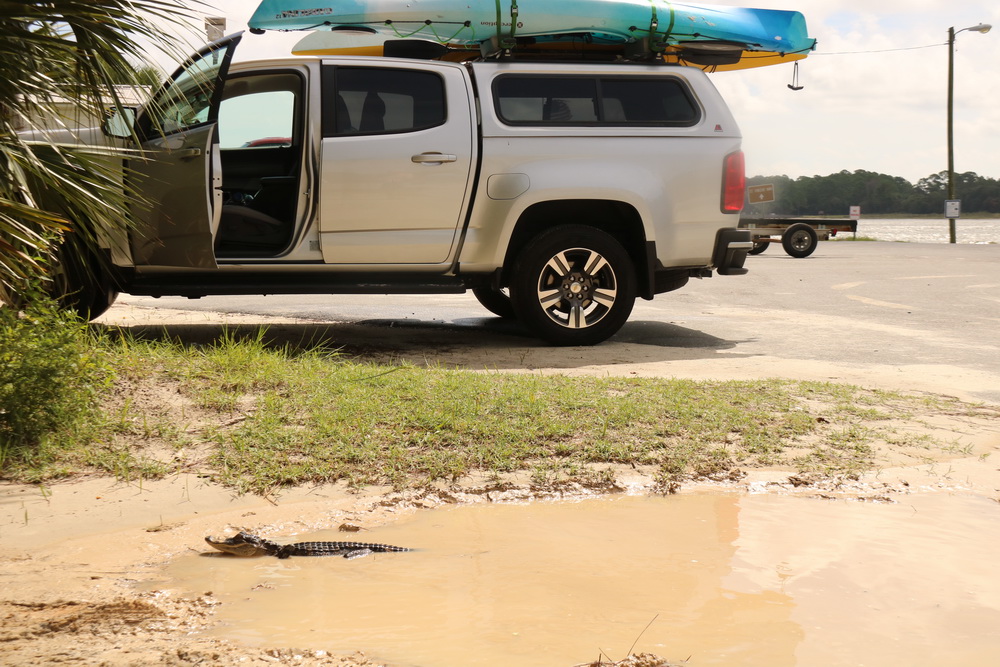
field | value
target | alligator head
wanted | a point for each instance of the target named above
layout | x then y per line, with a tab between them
240	544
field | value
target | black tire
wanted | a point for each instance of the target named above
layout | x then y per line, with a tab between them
799	240
758	247
496	301
101	299
83	287
557	273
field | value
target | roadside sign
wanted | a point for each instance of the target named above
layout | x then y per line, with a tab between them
953	209
760	194
855	213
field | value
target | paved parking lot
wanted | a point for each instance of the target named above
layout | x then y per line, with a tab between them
894	315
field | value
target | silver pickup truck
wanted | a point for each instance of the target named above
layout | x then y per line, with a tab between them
556	192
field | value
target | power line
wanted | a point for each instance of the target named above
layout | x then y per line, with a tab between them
852	53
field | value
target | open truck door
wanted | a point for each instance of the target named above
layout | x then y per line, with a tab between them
178	179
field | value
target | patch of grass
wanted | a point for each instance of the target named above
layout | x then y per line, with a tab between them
316	417
52	377
258	417
124	463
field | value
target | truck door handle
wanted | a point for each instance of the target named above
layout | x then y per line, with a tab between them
433	158
187	153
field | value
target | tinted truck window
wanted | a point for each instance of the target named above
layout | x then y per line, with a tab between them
611	101
372	100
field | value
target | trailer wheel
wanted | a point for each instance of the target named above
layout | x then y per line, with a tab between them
799	240
759	246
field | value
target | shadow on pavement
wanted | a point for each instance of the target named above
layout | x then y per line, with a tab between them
471	343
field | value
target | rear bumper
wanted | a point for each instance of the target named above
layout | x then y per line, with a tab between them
731	247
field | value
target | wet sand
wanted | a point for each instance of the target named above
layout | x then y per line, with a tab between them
117	572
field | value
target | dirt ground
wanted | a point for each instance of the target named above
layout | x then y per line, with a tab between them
80	561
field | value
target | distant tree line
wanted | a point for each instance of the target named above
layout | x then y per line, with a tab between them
874	193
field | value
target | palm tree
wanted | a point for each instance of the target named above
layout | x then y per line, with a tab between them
57	200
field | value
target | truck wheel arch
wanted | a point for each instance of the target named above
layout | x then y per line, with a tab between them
619	219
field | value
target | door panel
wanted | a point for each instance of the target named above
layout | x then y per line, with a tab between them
397	160
245	167
178	181
176	222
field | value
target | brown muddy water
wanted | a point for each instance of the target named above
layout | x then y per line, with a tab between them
726	579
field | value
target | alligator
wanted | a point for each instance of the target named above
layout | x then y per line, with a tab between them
246	544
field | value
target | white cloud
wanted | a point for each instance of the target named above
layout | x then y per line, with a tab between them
878	111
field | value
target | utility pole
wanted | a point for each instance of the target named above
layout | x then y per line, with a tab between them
952	207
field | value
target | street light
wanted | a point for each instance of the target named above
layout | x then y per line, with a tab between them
982	28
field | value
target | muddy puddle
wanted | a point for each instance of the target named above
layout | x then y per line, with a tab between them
720	579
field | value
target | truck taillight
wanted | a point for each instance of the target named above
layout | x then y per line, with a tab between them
734	183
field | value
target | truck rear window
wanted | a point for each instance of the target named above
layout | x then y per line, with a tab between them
594	100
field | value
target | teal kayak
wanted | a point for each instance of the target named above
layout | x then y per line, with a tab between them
659	23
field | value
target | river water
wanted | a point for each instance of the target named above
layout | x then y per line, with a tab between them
929	231
722	579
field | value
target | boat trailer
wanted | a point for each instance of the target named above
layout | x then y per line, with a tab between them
798	236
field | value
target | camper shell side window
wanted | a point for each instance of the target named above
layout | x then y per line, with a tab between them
601	101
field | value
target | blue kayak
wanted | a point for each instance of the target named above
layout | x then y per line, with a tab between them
659	24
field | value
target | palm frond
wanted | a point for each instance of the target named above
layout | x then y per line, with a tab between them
55	53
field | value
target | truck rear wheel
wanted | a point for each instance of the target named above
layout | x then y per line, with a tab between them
573	285
799	240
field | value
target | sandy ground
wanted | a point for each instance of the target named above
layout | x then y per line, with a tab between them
79	561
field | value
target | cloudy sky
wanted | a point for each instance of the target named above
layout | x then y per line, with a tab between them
873	99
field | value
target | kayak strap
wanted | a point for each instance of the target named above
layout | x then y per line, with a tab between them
658	44
508	41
